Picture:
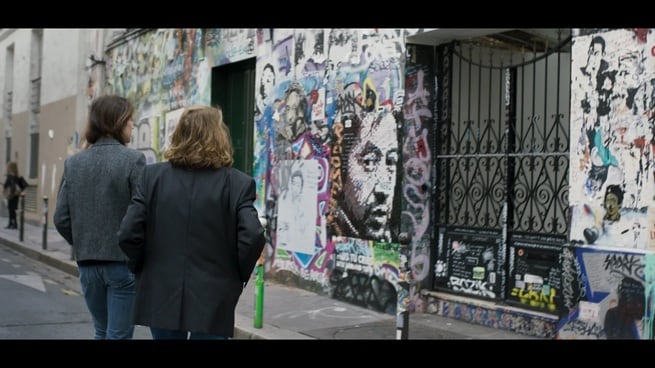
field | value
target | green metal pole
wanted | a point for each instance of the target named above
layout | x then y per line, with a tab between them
259	296
259	285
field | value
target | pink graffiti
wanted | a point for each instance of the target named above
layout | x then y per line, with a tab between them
417	103
417	173
419	227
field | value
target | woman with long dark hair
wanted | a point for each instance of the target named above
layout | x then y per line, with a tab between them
95	191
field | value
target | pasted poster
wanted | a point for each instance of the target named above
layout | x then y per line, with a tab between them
368	257
310	51
612	124
172	118
535	275
229	45
472	263
297	205
142	137
617	297
366	273
353	254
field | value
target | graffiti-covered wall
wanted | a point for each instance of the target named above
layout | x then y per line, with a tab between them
612	125
328	108
160	72
327	144
418	165
609	294
229	45
607	290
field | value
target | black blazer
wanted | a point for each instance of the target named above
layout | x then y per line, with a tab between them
193	238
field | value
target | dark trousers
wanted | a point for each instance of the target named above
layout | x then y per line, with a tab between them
12	204
163	334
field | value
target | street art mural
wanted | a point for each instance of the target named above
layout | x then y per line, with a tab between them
309	51
327	100
370	159
612	137
374	269
353	110
615	301
417	173
333	96
229	45
159	72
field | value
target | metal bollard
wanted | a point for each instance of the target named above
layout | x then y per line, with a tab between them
45	222
259	284
404	280
21	219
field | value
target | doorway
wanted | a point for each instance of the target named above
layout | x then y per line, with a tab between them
233	90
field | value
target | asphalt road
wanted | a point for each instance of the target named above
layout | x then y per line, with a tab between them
41	302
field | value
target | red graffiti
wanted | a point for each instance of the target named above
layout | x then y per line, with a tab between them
313	95
652	50
421	148
641	34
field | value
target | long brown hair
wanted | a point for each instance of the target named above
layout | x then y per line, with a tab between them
107	118
200	140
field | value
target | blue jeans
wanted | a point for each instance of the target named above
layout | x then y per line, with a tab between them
109	293
163	334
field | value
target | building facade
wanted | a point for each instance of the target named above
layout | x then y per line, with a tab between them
47	78
518	163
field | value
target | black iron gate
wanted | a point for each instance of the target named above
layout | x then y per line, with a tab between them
502	170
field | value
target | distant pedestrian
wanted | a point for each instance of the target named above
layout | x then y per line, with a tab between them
192	234
95	191
14	188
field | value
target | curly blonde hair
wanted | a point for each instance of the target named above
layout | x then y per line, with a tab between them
200	140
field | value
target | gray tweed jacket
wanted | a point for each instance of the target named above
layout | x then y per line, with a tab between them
95	190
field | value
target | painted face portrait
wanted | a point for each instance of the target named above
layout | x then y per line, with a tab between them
267	82
612	203
594	57
370	182
294	113
629	70
296	187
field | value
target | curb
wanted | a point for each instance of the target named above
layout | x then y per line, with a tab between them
50	261
267	332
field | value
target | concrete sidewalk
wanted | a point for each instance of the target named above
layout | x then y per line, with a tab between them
289	313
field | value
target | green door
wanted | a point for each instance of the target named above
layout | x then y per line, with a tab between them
233	89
